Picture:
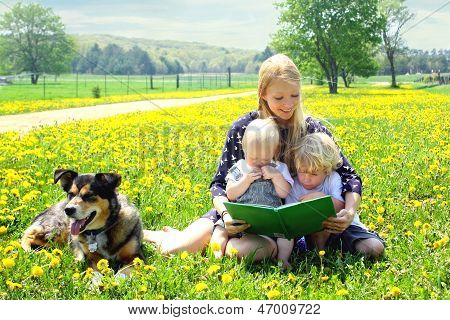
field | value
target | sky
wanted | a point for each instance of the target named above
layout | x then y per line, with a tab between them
246	24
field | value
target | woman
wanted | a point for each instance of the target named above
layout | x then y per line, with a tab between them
279	97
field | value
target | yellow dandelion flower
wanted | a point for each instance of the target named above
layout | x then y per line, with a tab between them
3	230
76	276
55	262
142	289
138	263
8	249
184	255
395	291
186	268
409	233
15	244
12	285
321	253
417	203
371	226
226	278
412	189
437	244
160	297
390	227
381	210
324	278
89	273
150	268
215	247
8	263
444	240
273	294
200	287
37	271
291	277
102	264
57	252
342	292
425	228
417	223
233	251
380	219
213	269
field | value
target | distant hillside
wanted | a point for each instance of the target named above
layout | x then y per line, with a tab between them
193	56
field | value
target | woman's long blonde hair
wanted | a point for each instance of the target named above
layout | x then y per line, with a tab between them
282	67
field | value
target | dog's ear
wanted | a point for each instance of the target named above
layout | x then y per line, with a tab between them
66	177
109	180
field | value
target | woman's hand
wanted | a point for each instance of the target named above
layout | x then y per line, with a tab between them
234	226
339	223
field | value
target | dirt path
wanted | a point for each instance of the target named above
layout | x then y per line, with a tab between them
27	121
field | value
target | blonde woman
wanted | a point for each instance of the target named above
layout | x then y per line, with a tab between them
279	96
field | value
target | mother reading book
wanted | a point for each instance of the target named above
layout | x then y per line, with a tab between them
279	97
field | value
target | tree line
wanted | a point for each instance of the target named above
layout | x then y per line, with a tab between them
331	40
412	61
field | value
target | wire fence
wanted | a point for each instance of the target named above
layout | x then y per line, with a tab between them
84	85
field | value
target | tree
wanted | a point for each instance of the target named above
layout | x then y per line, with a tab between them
328	33
396	15
34	41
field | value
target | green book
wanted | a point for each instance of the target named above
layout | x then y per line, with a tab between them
288	221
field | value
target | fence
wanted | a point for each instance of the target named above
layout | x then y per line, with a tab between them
82	85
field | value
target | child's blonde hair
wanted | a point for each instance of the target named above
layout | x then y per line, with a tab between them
282	67
317	152
262	133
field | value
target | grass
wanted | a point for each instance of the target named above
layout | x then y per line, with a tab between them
396	139
24	106
68	86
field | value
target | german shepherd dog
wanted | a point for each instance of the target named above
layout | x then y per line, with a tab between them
97	221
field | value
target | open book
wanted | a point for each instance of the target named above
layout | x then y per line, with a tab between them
288	221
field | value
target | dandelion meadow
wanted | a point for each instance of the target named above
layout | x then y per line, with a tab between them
397	140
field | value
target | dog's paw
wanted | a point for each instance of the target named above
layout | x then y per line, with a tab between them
33	236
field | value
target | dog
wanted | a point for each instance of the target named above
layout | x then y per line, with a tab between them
98	222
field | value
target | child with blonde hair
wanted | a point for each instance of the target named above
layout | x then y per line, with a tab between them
258	178
316	158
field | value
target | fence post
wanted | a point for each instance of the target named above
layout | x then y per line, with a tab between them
178	81
44	87
229	77
128	84
146	84
151	81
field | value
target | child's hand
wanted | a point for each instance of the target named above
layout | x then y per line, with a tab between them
269	172
252	176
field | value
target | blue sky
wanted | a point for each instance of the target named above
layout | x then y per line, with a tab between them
244	24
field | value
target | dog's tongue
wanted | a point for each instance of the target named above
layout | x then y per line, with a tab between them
76	226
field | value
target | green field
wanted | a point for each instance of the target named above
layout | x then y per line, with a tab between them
397	140
68	86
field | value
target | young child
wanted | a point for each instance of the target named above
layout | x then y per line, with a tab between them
257	179
316	158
